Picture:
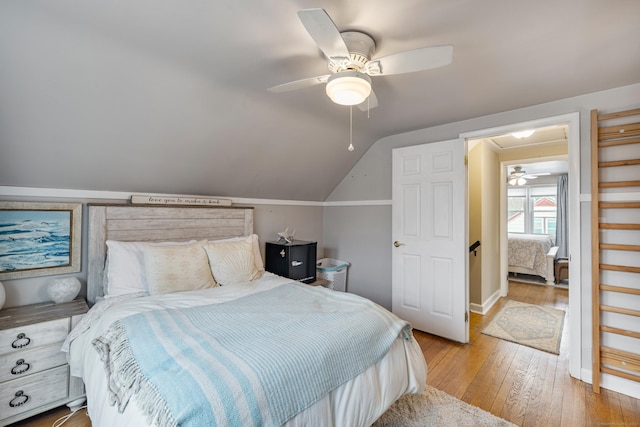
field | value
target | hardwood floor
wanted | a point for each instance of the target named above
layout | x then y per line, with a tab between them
525	386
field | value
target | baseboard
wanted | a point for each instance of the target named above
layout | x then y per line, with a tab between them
485	306
613	383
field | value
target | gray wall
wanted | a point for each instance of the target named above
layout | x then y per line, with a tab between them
361	240
306	219
370	180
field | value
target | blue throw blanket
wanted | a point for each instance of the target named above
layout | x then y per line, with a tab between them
258	360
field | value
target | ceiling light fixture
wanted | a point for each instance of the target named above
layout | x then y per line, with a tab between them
517	181
523	134
349	87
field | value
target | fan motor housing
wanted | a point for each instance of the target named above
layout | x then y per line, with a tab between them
361	48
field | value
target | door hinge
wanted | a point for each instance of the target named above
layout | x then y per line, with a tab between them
466	160
466	317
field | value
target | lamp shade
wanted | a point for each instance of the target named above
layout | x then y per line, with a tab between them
348	87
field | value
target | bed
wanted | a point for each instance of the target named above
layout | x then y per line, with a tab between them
256	349
532	254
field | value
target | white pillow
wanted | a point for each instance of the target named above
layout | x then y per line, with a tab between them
255	245
177	268
124	269
232	261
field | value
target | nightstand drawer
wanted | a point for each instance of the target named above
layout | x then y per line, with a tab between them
26	337
24	394
27	362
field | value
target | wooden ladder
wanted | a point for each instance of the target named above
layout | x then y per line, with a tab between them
613	357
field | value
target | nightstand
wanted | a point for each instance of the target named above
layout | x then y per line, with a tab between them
34	374
295	260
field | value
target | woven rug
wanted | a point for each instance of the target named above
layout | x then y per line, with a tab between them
528	324
435	408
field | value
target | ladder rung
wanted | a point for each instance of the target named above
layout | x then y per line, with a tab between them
618	114
616	142
619	131
619	331
620	310
621	374
619	205
616	163
618	247
624	268
609	226
620	359
620	289
619	184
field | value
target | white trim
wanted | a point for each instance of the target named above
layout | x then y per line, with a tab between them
538	123
125	196
63	193
486	306
614	383
66	193
575	284
359	203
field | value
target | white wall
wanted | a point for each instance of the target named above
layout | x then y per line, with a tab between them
270	216
370	179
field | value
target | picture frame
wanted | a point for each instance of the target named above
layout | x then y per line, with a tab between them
39	239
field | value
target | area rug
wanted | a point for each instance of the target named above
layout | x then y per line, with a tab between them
527	324
436	408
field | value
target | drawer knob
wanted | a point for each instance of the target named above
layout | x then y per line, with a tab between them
21	367
21	341
19	400
296	263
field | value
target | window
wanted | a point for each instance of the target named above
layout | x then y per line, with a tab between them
531	209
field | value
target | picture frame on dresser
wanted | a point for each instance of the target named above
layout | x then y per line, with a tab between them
39	238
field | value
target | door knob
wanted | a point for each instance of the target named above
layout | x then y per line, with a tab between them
397	244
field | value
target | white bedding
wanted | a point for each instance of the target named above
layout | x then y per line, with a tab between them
358	402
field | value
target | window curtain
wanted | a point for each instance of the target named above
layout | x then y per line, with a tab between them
562	216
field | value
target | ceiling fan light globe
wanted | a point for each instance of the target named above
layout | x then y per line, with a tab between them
521	181
349	87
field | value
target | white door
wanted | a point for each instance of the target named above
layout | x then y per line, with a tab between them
429	233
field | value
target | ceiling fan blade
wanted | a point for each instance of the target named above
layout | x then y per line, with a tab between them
414	60
325	33
299	84
369	103
529	176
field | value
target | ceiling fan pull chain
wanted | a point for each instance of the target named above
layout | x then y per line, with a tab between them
350	128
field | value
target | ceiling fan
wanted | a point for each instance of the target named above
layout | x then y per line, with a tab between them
351	62
519	176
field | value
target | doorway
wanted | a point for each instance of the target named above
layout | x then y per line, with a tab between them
536	219
572	123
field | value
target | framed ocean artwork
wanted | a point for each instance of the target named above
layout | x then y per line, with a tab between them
39	239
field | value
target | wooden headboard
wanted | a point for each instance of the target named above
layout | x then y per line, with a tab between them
151	223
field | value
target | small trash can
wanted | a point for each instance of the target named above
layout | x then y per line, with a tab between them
334	271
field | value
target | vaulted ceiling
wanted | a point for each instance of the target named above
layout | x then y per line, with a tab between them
170	96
